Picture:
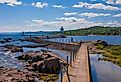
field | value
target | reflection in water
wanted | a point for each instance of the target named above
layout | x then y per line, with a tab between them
103	71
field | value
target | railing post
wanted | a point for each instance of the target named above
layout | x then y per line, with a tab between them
67	70
61	72
67	63
73	54
71	58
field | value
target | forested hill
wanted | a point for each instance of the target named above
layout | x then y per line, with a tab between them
96	30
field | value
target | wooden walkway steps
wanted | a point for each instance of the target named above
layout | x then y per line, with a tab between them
79	72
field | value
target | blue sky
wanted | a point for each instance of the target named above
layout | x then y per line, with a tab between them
50	15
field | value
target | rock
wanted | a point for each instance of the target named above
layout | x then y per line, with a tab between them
100	42
30	57
37	58
45	56
2	41
52	65
1	67
5	49
37	65
24	57
43	63
7	40
31	68
92	46
14	48
14	75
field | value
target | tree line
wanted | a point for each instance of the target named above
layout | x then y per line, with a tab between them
96	30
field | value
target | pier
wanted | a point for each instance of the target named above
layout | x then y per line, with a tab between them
55	45
79	71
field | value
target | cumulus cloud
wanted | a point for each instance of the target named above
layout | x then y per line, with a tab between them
113	1
113	24
95	6
71	19
70	13
93	0
117	15
11	2
68	23
59	6
40	4
110	1
118	1
91	15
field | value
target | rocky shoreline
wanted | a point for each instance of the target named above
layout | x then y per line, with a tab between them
38	64
41	61
92	46
13	48
14	75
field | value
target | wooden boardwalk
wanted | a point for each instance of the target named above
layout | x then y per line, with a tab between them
79	71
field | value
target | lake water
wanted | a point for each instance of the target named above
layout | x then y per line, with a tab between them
102	71
114	40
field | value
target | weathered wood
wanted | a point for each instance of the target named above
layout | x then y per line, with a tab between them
79	72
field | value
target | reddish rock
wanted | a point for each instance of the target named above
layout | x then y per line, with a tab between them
14	75
14	48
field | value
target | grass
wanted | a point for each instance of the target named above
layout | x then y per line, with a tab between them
112	54
48	77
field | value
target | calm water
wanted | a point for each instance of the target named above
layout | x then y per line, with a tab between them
104	71
114	40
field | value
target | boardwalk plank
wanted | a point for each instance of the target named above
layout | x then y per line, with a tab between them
79	72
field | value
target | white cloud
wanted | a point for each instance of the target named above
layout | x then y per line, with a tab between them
91	15
110	2
113	1
59	6
95	6
118	1
11	2
113	24
71	19
117	15
68	23
70	13
81	4
55	25
93	0
40	4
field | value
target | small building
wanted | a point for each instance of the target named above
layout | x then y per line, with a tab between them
61	30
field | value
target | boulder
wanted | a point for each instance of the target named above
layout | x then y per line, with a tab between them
25	57
43	63
14	48
50	65
45	56
100	42
37	65
2	41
